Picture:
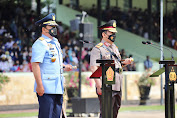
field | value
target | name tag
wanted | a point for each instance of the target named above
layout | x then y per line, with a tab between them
51	49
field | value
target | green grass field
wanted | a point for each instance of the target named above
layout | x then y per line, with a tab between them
123	109
142	108
24	114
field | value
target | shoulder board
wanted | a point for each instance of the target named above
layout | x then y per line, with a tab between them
116	46
99	45
41	38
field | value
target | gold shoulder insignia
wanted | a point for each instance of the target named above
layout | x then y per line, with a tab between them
41	38
116	46
99	45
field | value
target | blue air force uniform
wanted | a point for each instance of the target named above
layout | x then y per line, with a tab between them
48	53
51	72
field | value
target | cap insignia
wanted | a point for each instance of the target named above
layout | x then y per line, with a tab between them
53	17
114	24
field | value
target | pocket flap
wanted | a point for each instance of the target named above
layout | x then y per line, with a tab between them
49	76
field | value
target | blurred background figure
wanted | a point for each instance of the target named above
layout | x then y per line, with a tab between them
132	66
25	67
148	64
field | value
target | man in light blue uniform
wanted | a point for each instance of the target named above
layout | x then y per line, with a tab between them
47	66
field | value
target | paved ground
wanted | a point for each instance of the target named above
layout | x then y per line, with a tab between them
126	114
147	114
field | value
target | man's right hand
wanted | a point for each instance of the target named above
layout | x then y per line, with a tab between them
37	76
99	91
40	90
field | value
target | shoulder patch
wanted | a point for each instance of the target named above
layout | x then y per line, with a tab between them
99	45
41	38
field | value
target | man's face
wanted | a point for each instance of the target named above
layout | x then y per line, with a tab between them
106	34
49	30
48	27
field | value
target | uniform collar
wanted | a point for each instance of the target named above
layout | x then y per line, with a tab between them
46	38
106	43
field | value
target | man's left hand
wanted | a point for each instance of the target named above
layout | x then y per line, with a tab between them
68	67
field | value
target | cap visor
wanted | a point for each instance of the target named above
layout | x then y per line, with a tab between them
110	29
113	30
50	23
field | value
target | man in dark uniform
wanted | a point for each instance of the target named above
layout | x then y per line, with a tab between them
106	49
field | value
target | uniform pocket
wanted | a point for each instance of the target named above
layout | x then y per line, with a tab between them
49	83
50	68
49	76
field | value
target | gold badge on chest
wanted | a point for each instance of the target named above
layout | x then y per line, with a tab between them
50	45
53	59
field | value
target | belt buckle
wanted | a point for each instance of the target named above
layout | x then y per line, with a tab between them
120	70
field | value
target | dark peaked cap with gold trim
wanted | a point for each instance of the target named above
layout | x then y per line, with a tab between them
110	26
48	20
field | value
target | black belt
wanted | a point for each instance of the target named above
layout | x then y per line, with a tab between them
119	70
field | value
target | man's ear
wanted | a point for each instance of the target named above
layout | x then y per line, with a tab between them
103	34
44	29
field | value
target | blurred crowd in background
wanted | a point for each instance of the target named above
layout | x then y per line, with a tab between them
137	21
18	32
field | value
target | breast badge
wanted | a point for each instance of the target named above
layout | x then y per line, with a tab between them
51	48
53	59
50	45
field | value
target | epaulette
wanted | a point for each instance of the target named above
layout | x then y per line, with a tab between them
41	38
116	46
99	45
